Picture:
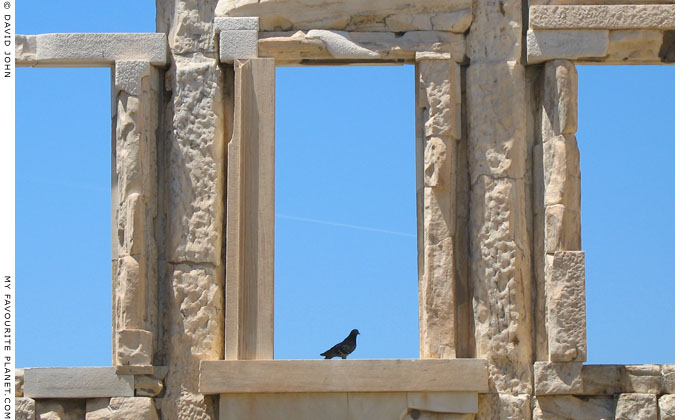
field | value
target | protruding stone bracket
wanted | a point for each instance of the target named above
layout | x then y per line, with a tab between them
238	38
251	214
77	382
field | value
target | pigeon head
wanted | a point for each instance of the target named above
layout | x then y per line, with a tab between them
354	333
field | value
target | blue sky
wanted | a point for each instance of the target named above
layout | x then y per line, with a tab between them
345	204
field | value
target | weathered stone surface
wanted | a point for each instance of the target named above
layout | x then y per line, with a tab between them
645	379
667	407
565	308
19	382
559	99
567	407
189	25
196	329
24	408
603	379
133	408
500	278
545	45
600	2
443	402
457	22
437	100
147	386
129	75
557	378
503	406
91	49
668	373
76	382
562	229
496	32
60	409
238	45
634	46
602	17
340	45
636	407
134	347
130	297
562	175
497	120
195	165
360	15
236	24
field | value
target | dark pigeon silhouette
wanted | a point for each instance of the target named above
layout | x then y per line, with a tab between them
343	348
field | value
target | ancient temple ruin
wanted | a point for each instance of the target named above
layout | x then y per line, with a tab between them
500	265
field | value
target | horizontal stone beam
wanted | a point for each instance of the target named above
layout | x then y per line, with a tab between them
299	47
77	382
90	49
600	2
603	17
398	375
601	46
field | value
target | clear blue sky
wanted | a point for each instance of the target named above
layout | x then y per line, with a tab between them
345	204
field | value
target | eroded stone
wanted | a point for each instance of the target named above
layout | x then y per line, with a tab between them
134	347
602	17
559	99
503	406
545	45
635	46
557	378
132	408
565	308
667	407
636	407
60	409
24	408
19	382
147	386
575	408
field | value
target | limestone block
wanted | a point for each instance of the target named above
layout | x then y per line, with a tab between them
565	308
24	408
635	46
667	407
361	405
25	50
340	44
236	24
93	49
558	378
603	379
190	26
357	15
636	407
19	382
668	373
147	386
438	216
645	379
503	406
60	409
545	45
132	408
559	99
443	402
562	229
496	33
195	165
457	22
134	347
602	17
497	120
131	293
129	75
575	408
76	382
437	97
414	414
562	174
237	45
595	2
501	281
332	405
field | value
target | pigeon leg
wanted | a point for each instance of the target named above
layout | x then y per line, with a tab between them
344	357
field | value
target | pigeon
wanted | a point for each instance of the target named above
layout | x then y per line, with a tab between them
343	348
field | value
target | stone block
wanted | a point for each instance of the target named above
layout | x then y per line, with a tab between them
19	382
98	49
443	402
60	409
404	22
644	379
561	158
76	382
25	50
667	407
570	44
24	408
668	373
636	407
130	293
565	308
340	45
132	408
635	46
437	97
562	229
457	22
147	386
495	406
603	379
574	408
236	24
559	98
558	378
129	74
237	45
134	347
496	33
602	17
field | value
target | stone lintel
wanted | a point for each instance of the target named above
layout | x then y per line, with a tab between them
236	24
571	44
318	376
597	2
77	382
238	45
91	49
603	17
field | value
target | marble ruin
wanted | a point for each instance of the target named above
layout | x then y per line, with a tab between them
501	269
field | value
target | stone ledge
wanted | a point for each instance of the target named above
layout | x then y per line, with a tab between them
305	376
77	382
603	17
90	49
